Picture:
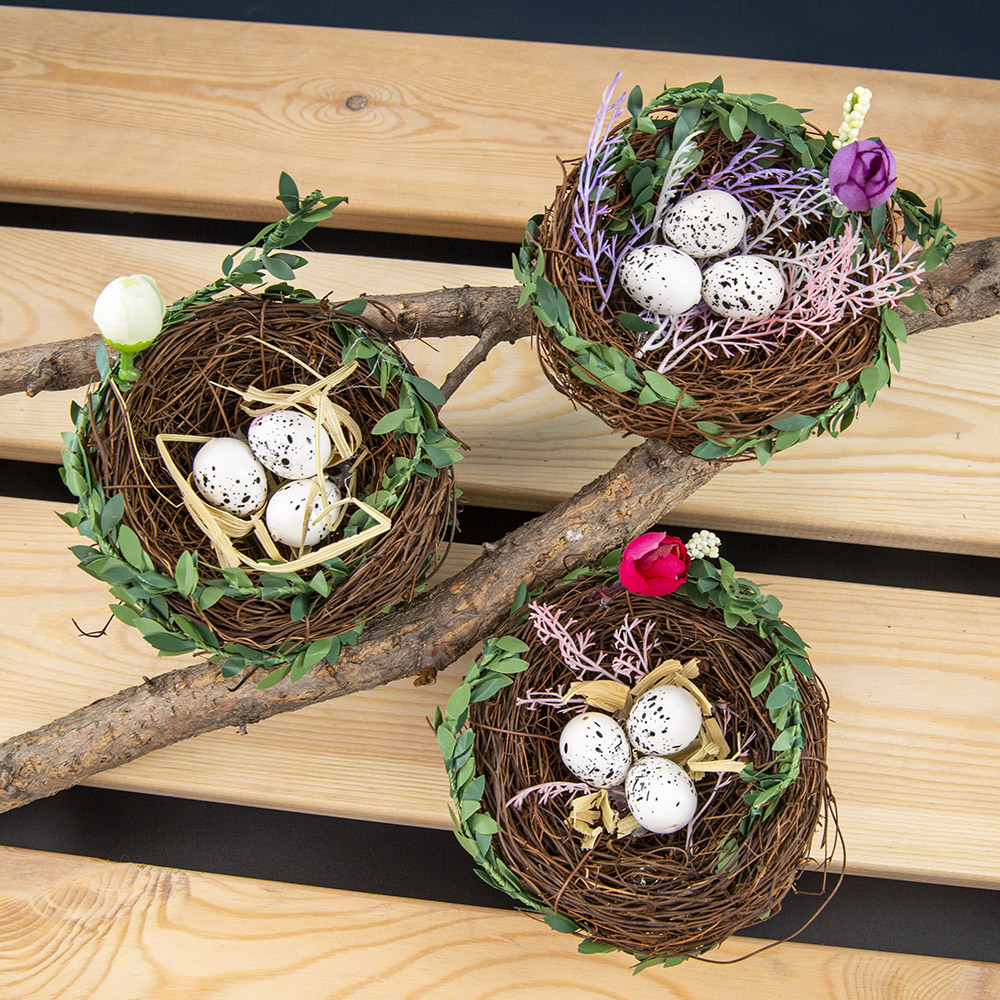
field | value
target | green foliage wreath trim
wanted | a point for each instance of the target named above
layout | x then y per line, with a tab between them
708	106
742	603
116	555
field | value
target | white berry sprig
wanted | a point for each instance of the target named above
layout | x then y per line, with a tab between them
704	545
856	106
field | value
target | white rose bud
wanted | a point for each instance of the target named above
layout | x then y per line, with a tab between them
129	312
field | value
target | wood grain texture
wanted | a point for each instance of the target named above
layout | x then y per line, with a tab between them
168	115
93	930
932	435
913	681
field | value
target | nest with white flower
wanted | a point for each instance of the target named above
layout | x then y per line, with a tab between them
696	278
647	772
168	464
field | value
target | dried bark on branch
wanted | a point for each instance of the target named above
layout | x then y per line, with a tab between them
963	289
435	630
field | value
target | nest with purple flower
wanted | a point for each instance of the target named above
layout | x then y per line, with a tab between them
661	898
729	384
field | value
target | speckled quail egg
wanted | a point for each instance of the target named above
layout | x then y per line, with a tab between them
227	475
660	794
661	279
706	223
284	442
743	287
663	720
594	748
295	515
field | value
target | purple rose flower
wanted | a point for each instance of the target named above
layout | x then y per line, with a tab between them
863	174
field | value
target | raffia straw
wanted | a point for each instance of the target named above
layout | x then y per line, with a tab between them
222	528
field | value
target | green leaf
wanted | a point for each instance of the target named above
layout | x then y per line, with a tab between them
878	217
634	323
353	308
166	642
131	548
274	677
278	268
782	695
784	741
794	422
594	948
520	597
186	574
560	923
709	449
666	389
300	607
288	193
321	584
871	382
666	963
125	614
428	390
209	596
446	741
782	114
511	644
113	512
760	681
390	421
458	702
894	324
489	687
299	668
510	665
475	788
737	122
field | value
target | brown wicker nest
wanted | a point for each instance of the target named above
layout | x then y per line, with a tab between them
743	393
178	393
650	895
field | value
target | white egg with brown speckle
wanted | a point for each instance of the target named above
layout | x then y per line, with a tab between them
663	720
594	747
660	795
285	442
661	279
705	224
296	515
743	287
228	476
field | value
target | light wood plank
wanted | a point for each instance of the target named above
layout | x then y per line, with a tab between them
932	436
95	930
198	117
913	679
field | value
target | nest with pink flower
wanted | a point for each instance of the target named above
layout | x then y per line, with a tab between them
659	897
724	386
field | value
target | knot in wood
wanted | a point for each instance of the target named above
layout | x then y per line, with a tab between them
356	102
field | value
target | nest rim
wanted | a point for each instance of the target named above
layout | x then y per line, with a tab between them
216	343
550	871
800	387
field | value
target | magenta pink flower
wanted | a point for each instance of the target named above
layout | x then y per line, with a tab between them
863	174
654	564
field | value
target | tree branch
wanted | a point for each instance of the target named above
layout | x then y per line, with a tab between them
964	289
439	626
436	629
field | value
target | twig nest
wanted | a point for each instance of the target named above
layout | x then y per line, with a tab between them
197	561
696	280
659	886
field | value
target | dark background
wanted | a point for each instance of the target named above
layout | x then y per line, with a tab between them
866	913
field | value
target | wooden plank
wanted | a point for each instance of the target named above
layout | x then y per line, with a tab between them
95	930
932	436
169	115
913	680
